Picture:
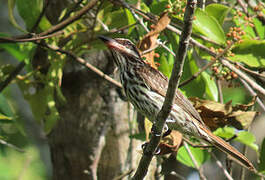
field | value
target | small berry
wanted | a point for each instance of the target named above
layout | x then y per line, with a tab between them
168	6
234	75
157	55
152	26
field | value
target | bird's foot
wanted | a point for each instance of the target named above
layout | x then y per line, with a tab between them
146	152
166	131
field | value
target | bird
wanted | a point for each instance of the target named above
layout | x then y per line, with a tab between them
145	87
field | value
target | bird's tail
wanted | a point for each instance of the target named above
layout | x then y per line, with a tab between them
229	150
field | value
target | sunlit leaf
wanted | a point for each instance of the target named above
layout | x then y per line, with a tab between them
210	87
200	156
26	165
226	132
248	139
250	52
208	26
164	66
218	11
30	11
11	5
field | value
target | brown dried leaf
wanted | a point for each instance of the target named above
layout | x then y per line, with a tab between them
241	119
149	40
170	143
217	115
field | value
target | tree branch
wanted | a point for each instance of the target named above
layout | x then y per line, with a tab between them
173	83
83	62
57	27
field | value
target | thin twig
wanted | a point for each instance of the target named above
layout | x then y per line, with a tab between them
253	93
195	163
249	71
57	27
131	9
219	164
256	86
172	86
11	146
31	39
224	61
71	19
12	75
127	173
85	63
69	12
220	92
46	3
194	76
244	7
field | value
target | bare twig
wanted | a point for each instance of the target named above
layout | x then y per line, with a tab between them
57	27
224	61
202	176
173	83
46	3
249	71
85	63
253	93
127	173
219	164
220	92
130	8
71	19
52	32
31	39
69	12
243	76
11	146
194	76
12	75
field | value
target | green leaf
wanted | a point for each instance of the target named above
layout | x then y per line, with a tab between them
195	88
164	66
11	5
243	136
14	50
13	163
248	139
211	90
218	11
30	11
5	108
225	132
208	26
200	156
250	52
260	28
157	7
3	117
262	156
130	20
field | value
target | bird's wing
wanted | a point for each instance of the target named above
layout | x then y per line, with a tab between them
158	83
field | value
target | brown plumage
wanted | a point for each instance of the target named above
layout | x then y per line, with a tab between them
146	89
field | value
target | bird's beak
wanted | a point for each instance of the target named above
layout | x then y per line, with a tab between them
111	43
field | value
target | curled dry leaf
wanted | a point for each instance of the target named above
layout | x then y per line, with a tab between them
217	115
170	143
149	40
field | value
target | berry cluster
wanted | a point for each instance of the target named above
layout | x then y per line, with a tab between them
177	8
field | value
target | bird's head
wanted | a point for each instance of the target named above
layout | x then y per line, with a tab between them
124	51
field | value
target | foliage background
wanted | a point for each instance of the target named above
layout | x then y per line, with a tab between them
71	123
